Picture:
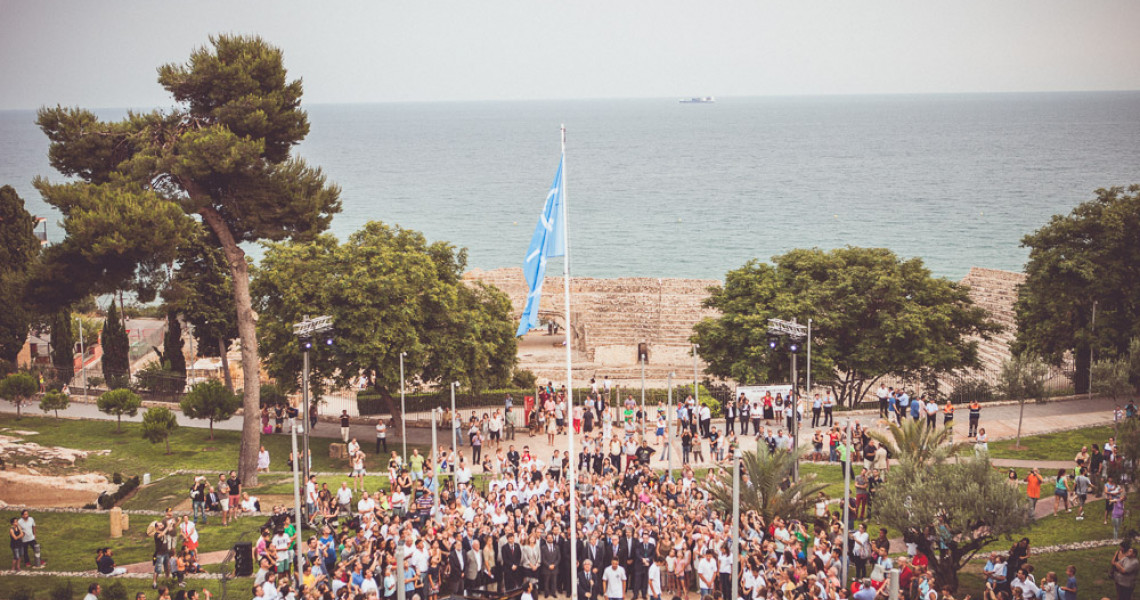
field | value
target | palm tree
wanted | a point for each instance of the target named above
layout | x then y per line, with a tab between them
769	490
915	444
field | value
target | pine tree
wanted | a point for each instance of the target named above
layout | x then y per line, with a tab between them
116	350
18	246
172	358
62	347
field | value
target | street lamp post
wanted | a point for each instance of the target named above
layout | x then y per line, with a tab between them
297	503
735	522
454	425
403	410
435	463
795	333
669	426
305	331
644	415
82	357
846	466
696	385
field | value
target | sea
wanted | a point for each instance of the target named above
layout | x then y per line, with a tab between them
657	188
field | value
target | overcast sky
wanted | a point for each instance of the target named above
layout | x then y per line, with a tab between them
104	54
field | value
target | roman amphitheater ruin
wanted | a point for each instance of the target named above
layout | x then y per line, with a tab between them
613	318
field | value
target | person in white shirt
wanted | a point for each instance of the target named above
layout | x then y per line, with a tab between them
344	498
613	578
654	577
381	435
366	504
707	573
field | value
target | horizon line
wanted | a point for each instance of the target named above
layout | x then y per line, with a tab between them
626	98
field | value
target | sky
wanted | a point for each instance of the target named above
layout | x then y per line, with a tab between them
104	54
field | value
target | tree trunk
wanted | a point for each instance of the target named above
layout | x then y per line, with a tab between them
168	445
225	364
118	423
211	430
250	361
1081	368
946	573
393	409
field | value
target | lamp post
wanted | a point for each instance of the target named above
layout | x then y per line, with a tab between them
435	463
846	466
297	502
696	386
306	330
644	415
669	426
809	361
795	333
454	425
82	356
735	523
403	410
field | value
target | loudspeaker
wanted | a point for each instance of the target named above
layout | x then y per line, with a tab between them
243	559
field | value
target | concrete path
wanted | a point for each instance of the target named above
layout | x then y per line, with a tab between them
1000	422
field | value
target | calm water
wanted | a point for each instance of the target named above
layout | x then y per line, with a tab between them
657	188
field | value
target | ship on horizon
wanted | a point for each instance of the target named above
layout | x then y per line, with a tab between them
699	100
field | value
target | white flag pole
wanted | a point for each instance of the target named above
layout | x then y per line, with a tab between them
572	459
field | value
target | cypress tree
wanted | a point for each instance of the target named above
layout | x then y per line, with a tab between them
62	346
116	350
173	358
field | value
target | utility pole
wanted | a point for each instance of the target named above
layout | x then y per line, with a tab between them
1092	342
669	427
846	465
696	385
435	463
306	330
403	410
297	504
644	415
454	427
735	523
82	356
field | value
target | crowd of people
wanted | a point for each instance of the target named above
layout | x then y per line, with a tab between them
438	529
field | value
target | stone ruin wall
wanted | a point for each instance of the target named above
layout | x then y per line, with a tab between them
612	315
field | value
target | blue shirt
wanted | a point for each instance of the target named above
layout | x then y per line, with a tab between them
1072	584
867	593
915	406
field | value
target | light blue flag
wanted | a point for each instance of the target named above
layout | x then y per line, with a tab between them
549	240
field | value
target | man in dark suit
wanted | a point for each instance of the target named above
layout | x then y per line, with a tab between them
550	556
512	563
456	565
628	560
589	582
565	569
593	550
644	553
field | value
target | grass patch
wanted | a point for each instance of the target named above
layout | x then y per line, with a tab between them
190	447
40	587
1092	572
69	540
1061	445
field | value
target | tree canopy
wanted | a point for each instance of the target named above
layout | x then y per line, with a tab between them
220	159
18	248
157	424
949	510
18	388
210	400
55	400
767	486
388	291
873	315
1091	255
118	403
116	350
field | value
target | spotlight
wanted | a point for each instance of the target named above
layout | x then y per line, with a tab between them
773	342
328	342
793	346
306	344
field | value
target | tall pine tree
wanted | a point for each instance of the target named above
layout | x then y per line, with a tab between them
18	246
222	157
116	350
62	347
173	359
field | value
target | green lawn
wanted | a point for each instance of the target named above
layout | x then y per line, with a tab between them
190	447
1062	445
69	540
41	587
1092	572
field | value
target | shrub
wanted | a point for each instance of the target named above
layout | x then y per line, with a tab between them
524	379
966	392
95	381
115	591
107	501
62	591
22	593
